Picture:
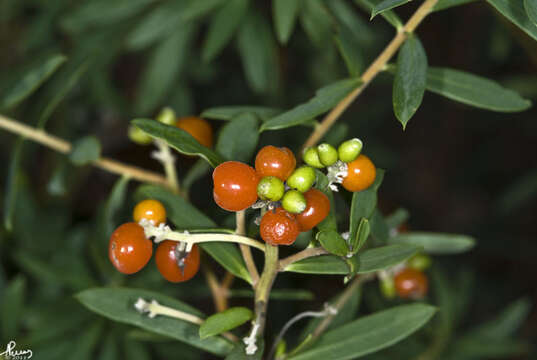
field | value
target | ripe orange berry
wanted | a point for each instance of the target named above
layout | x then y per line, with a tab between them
411	284
279	227
199	128
150	210
361	174
235	185
317	209
273	161
172	265
129	250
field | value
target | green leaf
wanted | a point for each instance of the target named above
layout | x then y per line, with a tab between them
225	321
388	15
196	9
285	13
350	51
436	243
229	257
397	218
12	307
516	13
109	349
135	351
85	151
362	233
410	79
178	139
347	17
87	341
13	184
474	90
471	348
363	204
31	80
506	323
222	28
243	127
379	228
325	99
446	4
386	5
231	112
113	204
317	22
197	171
531	10
118	304
239	352
369	334
330	222
333	242
276	294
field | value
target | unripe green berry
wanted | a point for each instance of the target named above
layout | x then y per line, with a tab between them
138	136
387	287
349	150
420	262
294	202
270	188
327	154
302	178
167	116
311	157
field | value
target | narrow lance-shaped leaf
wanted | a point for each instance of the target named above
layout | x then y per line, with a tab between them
317	22
243	127
333	242
285	13
388	15
531	10
225	321
350	50
11	306
13	182
362	234
85	150
516	13
410	79
321	183
231	112
325	99
436	243
446	4
386	5
363	204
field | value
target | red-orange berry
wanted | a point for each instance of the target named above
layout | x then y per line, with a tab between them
361	174
317	209
279	227
199	128
273	161
129	250
411	284
235	185
175	265
150	210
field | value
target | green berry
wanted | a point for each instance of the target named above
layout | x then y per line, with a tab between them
294	202
420	262
167	116
138	136
302	178
270	188
349	150
311	157
387	287
327	154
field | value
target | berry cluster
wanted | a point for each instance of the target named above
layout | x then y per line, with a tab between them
130	250
408	281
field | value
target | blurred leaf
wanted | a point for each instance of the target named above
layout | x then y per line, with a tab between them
239	352
506	323
57	184
163	69
337	134
178	139
276	294
222	28
196	9
347	17
350	51
118	304
516	13
12	307
197	171
257	50
370	333
410	79
284	14
522	191
85	151
225	321
231	112
436	243
109	350
446	4
474	90
13	183
317	22
325	99
379	227
86	343
386	5
397	218
229	257
333	242
531	10
30	80
133	350
115	201
243	127
362	233
485	349
388	15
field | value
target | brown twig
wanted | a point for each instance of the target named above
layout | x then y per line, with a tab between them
245	250
65	147
304	254
372	71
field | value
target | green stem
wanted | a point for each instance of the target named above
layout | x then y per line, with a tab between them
262	290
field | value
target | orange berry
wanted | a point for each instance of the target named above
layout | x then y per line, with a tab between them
273	161
199	128
235	185
411	284
129	250
279	227
150	210
172	266
361	174
317	209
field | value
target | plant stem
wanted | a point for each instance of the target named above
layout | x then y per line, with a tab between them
371	72
165	156
262	290
217	291
304	254
240	217
64	147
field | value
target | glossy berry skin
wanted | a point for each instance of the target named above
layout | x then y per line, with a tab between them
361	174
273	161
279	227
270	188
199	128
151	210
294	201
317	209
411	284
129	250
235	185
302	178
167	258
